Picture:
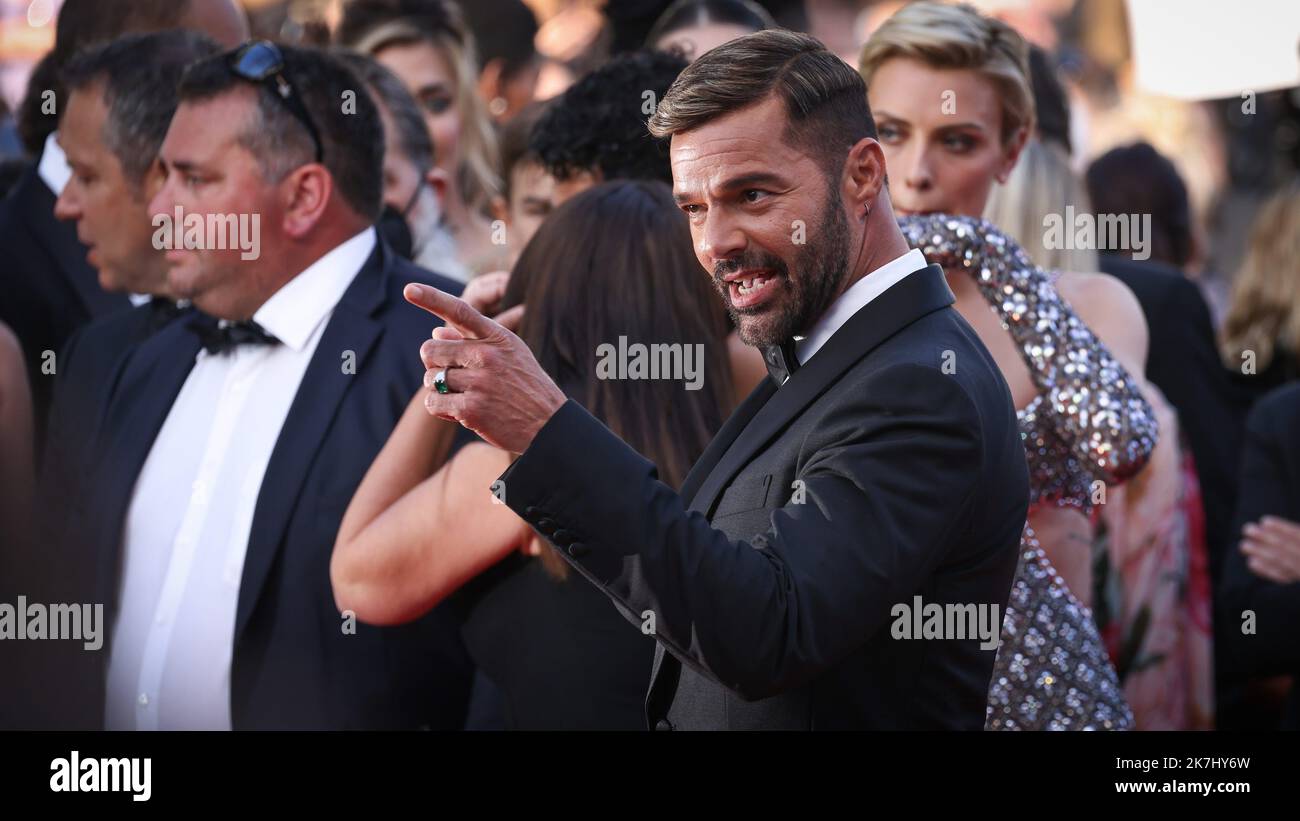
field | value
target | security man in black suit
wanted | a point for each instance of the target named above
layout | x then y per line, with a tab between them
310	331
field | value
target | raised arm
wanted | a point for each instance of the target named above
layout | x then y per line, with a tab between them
1099	405
420	526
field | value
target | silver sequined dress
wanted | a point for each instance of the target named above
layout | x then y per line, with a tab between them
1088	423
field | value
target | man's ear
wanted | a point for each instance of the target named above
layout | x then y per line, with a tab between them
864	174
305	194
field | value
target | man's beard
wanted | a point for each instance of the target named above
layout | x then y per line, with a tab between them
820	269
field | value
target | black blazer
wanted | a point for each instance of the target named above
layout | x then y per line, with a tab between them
293	667
1183	362
1270	485
870	477
47	289
89	366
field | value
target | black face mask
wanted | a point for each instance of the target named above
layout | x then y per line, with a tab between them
393	228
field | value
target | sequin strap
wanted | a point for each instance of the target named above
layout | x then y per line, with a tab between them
1097	407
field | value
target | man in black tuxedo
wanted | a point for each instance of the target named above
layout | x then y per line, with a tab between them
121	97
50	288
865	475
233	446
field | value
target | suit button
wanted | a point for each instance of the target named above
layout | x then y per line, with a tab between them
663	725
547	526
563	538
577	549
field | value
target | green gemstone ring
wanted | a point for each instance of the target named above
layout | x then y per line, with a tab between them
440	382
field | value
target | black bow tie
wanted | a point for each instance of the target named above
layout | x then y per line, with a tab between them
217	338
781	361
162	311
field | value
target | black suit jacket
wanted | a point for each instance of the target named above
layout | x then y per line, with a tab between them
1270	485
1183	362
870	477
48	289
90	365
293	666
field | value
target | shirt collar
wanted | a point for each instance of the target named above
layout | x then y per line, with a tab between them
53	169
854	299
294	312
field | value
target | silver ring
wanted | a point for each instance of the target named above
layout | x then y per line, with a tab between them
440	382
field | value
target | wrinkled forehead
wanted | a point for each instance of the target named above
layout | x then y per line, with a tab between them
745	143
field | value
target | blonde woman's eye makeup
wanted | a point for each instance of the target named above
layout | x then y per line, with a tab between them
436	100
889	133
959	143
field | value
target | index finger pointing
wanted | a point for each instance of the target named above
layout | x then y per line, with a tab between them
455	312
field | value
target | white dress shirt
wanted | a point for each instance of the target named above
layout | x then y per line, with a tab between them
191	512
53	168
854	299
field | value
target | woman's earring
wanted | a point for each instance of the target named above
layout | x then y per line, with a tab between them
497	106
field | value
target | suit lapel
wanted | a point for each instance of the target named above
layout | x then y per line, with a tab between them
726	435
352	327
662	687
150	381
914	296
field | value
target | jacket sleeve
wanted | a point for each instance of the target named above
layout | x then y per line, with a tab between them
889	475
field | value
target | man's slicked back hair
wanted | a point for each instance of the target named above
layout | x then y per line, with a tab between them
824	98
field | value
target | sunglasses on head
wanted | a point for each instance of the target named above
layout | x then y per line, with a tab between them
262	62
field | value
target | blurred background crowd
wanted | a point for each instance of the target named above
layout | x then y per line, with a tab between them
503	110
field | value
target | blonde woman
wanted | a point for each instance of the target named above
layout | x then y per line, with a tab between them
1152	592
951	95
1261	333
428	46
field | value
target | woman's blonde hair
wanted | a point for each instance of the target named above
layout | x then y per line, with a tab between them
958	37
1264	312
1041	184
477	174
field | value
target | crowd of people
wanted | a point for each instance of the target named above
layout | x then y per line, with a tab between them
290	498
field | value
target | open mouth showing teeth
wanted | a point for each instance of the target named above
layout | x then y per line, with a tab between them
750	285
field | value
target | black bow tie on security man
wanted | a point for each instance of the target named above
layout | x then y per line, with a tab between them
222	336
